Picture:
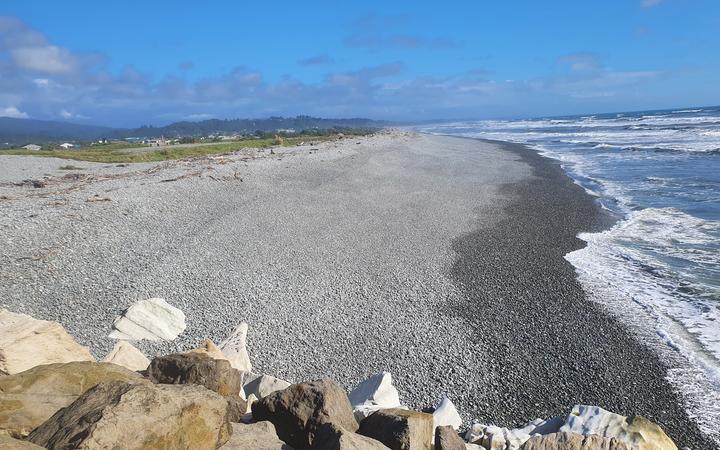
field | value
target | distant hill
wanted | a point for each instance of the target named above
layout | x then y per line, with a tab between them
246	126
25	131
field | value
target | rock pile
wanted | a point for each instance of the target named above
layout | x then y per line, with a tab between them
208	398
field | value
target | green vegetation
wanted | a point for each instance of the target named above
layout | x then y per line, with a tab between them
69	167
114	146
120	153
247	126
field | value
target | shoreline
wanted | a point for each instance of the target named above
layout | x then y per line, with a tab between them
327	240
625	389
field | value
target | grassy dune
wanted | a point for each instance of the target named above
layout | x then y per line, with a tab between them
120	153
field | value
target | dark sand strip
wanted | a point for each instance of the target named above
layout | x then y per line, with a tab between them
549	346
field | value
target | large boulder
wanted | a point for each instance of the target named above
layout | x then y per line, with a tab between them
125	354
637	432
237	408
572	441
263	385
400	429
29	398
8	443
234	347
332	437
298	411
377	392
446	438
140	416
194	368
153	319
26	342
255	436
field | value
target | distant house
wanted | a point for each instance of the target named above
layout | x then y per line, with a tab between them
67	145
34	147
157	142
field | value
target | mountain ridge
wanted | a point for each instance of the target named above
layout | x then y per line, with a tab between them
14	131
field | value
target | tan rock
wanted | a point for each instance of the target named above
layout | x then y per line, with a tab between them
400	429
572	441
140	416
333	437
29	398
237	408
26	342
446	438
208	347
196	368
8	443
637	432
255	436
125	354
299	410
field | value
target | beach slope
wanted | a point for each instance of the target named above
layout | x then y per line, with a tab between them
438	259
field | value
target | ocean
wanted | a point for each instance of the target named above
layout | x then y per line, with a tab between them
658	267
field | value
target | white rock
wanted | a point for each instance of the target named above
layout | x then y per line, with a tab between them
125	354
496	438
264	385
446	414
474	447
637	432
541	426
250	400
377	392
235	348
26	342
475	433
153	319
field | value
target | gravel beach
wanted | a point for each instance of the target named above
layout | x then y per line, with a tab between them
438	259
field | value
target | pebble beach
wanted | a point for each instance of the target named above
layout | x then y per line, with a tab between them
438	259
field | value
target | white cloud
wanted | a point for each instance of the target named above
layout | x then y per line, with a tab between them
12	111
65	114
582	61
47	59
650	3
40	82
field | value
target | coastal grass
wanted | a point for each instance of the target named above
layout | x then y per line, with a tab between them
70	167
121	154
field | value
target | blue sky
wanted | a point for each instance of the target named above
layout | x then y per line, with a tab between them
131	63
